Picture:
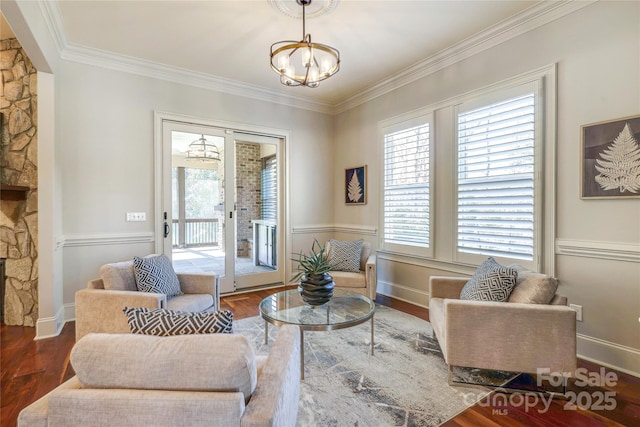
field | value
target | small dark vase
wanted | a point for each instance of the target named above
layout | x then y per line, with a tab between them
316	289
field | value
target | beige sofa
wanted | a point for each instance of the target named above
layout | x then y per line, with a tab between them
365	281
507	336
188	380
99	306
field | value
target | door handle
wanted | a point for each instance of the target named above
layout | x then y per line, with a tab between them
166	226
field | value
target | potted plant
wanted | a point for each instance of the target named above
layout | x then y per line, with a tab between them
315	283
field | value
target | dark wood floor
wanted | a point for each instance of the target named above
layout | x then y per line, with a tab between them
31	368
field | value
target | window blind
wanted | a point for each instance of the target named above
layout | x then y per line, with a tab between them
269	189
496	179
406	186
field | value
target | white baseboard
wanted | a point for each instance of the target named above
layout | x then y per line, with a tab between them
611	355
69	312
403	293
49	327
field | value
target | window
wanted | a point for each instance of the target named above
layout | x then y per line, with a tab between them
269	189
496	178
406	225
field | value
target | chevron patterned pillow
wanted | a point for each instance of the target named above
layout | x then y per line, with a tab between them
155	274
164	323
490	282
345	256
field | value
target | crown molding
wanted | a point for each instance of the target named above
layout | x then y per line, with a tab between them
127	64
53	18
534	17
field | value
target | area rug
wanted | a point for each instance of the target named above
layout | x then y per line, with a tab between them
405	382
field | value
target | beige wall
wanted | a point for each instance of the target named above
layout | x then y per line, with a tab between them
106	133
597	52
104	162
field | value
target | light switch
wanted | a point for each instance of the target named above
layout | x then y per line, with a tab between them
136	216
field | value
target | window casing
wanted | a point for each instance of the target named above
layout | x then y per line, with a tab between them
406	185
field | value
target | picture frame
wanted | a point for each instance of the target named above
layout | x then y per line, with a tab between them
355	185
610	159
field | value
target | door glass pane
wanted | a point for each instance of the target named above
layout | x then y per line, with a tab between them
256	208
198	203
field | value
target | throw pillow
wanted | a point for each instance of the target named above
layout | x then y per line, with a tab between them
345	256
490	282
155	274
532	287
164	323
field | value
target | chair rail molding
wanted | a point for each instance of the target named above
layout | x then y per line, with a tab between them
335	228
71	240
615	251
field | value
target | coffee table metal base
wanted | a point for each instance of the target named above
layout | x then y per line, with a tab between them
302	329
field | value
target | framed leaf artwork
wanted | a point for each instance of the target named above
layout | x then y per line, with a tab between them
611	159
355	186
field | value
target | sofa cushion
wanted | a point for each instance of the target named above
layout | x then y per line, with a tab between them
191	302
532	287
155	274
345	279
490	282
345	255
219	362
118	276
161	322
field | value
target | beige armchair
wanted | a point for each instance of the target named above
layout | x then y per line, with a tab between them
189	380
506	336
365	281
99	306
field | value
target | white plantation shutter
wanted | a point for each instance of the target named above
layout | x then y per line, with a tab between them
269	189
496	179
406	185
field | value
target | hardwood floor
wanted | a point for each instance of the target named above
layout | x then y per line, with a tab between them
31	368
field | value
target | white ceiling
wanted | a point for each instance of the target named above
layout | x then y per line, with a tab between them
227	42
231	39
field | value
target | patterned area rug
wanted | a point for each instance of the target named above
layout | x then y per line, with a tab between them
405	383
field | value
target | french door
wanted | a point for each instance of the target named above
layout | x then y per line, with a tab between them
221	204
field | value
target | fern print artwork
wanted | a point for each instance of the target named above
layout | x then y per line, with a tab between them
611	159
355	182
619	165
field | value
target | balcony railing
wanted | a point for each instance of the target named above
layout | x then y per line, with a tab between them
195	232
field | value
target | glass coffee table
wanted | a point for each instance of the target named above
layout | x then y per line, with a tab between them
344	310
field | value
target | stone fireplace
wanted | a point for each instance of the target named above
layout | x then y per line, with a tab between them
18	184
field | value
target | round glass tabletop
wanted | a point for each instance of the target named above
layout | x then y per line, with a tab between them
344	309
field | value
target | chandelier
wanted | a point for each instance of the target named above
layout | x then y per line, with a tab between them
304	63
203	151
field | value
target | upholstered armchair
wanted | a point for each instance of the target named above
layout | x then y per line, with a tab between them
364	281
99	306
534	329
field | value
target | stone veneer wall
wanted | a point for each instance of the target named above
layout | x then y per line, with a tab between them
248	176
18	163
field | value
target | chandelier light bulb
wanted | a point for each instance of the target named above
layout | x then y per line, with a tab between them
283	62
307	57
325	65
313	74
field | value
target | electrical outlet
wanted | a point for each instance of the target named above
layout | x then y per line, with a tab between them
136	216
578	310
